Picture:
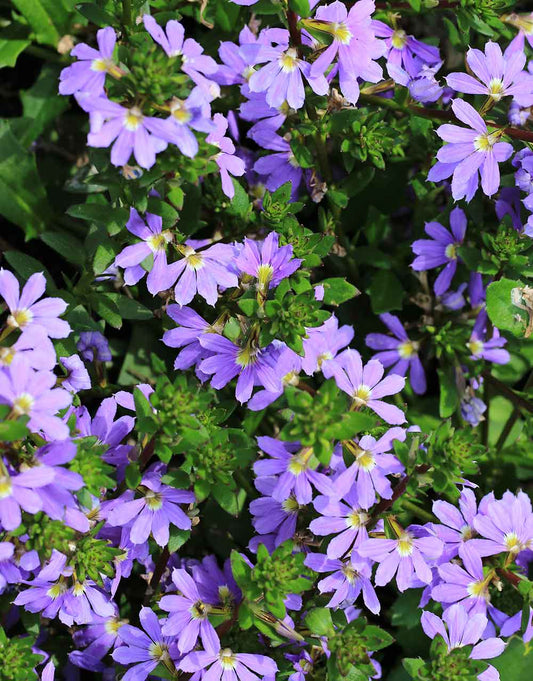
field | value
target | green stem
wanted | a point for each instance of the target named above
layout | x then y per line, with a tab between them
126	12
48	55
519	401
241	480
513	418
426	516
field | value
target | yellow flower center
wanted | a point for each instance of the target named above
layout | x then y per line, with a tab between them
57	590
357	519
289	60
467	532
113	625
341	32
362	395
227	659
78	589
407	349
6	356
154	501
159	651
290	505
5	486
478	589
133	119
485	142
323	357
451	251
179	110
513	543
290	379
300	462
399	38
158	242
20	318
106	65
246	356
475	346
199	610
366	460
350	574
23	404
194	260
264	275
496	89
405	544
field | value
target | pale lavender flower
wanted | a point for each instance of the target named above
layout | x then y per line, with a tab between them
368	473
286	364
157	508
32	393
144	649
292	463
266	119
497	75
217	664
77	377
506	526
457	524
322	346
404	51
400	352
366	386
202	272
188	619
273	517
470	152
466	585
89	74
346	518
25	308
459	628
354	45
36	348
185	116
127	129
230	360
490	350
17	491
154	242
348	580
228	163
94	347
49	671
268	262
408	557
441	249
282	77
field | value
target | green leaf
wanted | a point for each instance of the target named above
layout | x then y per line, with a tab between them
413	665
47	18
168	213
240	568
505	306
319	621
386	292
177	538
377	638
95	14
12	430
12	42
23	199
25	266
132	475
449	396
240	203
349	425
231	500
129	308
66	245
301	7
515	662
338	291
106	307
41	104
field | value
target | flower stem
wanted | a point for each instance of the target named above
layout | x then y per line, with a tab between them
126	12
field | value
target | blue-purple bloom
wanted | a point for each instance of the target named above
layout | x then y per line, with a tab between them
322	347
279	167
268	262
202	272
441	249
93	346
399	352
77	377
217	664
89	74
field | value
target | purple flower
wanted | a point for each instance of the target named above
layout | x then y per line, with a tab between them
441	249
186	336
194	63
216	585
229	360
346	518
273	517
97	639
457	523
459	628
93	347
404	51
472	407
144	649
266	119
202	272
128	129
524	24
152	513
36	348
281	78
406	557
9	572
366	386
292	463
466	585
188	619
184	115
17	492
154	242
506	526
88	74
425	87
322	345
367	474
268	262
32	393
237	65
497	75
279	167
509	203
470	152
354	45
285	363
25	312
402	355
225	664
349	578
226	160
490	350
77	377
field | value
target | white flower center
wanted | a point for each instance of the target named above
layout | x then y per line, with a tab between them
405	545
362	395
133	119
20	318
23	404
289	60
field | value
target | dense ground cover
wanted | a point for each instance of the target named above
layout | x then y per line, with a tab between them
266	386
